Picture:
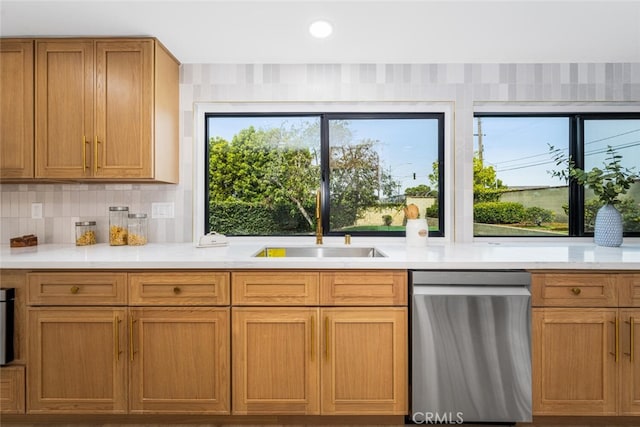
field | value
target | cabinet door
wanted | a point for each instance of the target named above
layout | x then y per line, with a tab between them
629	362
124	97
364	361
574	362
64	108
16	105
275	361
77	360
179	360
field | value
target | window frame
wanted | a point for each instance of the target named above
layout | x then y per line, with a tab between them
325	117
576	152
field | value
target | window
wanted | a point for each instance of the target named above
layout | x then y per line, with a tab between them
515	192
263	172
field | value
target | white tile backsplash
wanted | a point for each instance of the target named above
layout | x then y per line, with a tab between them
462	84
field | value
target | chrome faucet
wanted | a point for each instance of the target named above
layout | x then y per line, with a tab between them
318	218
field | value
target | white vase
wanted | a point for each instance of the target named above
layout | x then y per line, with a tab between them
417	232
608	228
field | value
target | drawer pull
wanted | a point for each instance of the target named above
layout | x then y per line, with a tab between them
313	335
177	290
630	354
74	289
617	339
576	291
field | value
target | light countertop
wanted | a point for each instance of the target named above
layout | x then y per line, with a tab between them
238	255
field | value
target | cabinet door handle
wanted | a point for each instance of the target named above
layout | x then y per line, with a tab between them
617	340
326	337
177	290
116	338
313	336
131	352
74	289
84	152
576	291
630	354
95	155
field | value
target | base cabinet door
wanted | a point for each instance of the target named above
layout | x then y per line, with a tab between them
275	361
629	362
574	368
77	360
364	361
179	360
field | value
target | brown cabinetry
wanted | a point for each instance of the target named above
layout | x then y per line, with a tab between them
584	344
77	360
315	359
106	109
12	390
178	355
16	108
88	356
179	360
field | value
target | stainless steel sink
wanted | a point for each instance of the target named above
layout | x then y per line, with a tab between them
318	252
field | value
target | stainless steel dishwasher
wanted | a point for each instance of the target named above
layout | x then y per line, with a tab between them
471	346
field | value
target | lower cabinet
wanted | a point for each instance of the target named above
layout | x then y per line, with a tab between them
77	360
630	362
320	360
364	363
275	360
179	360
586	330
575	371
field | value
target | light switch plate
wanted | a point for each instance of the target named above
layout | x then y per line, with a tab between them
36	210
163	210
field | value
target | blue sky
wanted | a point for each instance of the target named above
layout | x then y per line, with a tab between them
517	147
406	146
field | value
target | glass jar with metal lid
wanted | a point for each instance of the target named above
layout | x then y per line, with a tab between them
85	233
137	229
118	225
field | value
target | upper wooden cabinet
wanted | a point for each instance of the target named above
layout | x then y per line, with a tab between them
16	108
106	109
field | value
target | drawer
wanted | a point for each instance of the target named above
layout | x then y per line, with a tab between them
372	287
77	288
179	288
274	288
12	390
629	290
574	290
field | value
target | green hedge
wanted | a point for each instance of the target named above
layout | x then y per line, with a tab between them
498	212
242	218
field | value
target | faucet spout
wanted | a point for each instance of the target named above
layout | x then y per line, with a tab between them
318	218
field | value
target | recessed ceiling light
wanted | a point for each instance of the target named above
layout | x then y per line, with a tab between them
320	29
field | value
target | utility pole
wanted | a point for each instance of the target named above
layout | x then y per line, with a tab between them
480	146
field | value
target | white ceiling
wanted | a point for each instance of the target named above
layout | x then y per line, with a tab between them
391	31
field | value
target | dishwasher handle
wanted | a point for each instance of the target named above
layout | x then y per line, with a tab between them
522	291
471	277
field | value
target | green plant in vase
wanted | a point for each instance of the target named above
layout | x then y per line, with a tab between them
608	185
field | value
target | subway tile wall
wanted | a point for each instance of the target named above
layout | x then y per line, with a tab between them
461	84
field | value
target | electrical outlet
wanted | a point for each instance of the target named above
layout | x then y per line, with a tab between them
162	210
36	210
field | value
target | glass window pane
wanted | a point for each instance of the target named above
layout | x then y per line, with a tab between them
263	173
513	190
623	136
377	166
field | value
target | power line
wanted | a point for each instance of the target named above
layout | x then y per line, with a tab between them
598	151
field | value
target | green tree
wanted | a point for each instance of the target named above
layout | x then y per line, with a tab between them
421	190
486	186
263	166
355	181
